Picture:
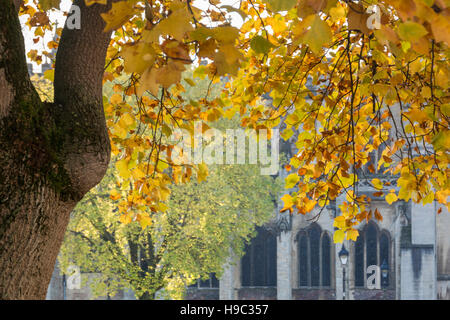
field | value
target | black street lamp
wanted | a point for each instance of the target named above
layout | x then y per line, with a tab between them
343	256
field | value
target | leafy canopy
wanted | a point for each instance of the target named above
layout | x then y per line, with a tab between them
362	95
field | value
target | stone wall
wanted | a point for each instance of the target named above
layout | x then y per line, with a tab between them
443	241
257	293
202	294
443	288
367	294
418	279
313	294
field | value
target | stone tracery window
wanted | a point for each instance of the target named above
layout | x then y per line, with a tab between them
371	248
314	257
259	264
211	282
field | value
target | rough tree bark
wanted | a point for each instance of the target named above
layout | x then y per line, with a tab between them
51	154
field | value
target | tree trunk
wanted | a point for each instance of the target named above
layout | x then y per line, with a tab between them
147	296
51	154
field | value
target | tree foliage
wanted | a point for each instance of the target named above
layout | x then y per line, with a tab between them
351	88
168	250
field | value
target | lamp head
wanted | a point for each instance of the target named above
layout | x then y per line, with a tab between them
343	255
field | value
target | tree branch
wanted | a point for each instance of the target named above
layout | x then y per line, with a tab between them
79	111
18	4
15	84
81	55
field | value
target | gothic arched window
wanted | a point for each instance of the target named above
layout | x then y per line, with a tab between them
303	259
371	248
326	260
211	282
259	264
359	261
314	257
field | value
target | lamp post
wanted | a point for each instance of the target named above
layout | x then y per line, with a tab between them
343	256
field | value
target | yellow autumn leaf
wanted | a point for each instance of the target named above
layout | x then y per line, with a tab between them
138	57
137	174
144	220
148	82
116	99
339	222
428	198
377	184
91	2
352	234
114	195
50	75
120	13
281	5
441	141
339	236
440	27
337	13
226	34
417	115
127	121
122	167
119	131
170	73
223	67
309	205
202	172
177	24
287	200
357	18
125	218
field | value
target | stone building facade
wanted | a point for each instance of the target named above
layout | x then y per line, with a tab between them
294	258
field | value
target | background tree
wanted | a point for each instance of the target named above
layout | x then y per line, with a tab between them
204	222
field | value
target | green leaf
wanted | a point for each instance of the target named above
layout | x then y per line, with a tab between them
49	4
411	31
291	180
281	5
445	109
286	134
318	36
441	141
261	45
201	34
50	75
